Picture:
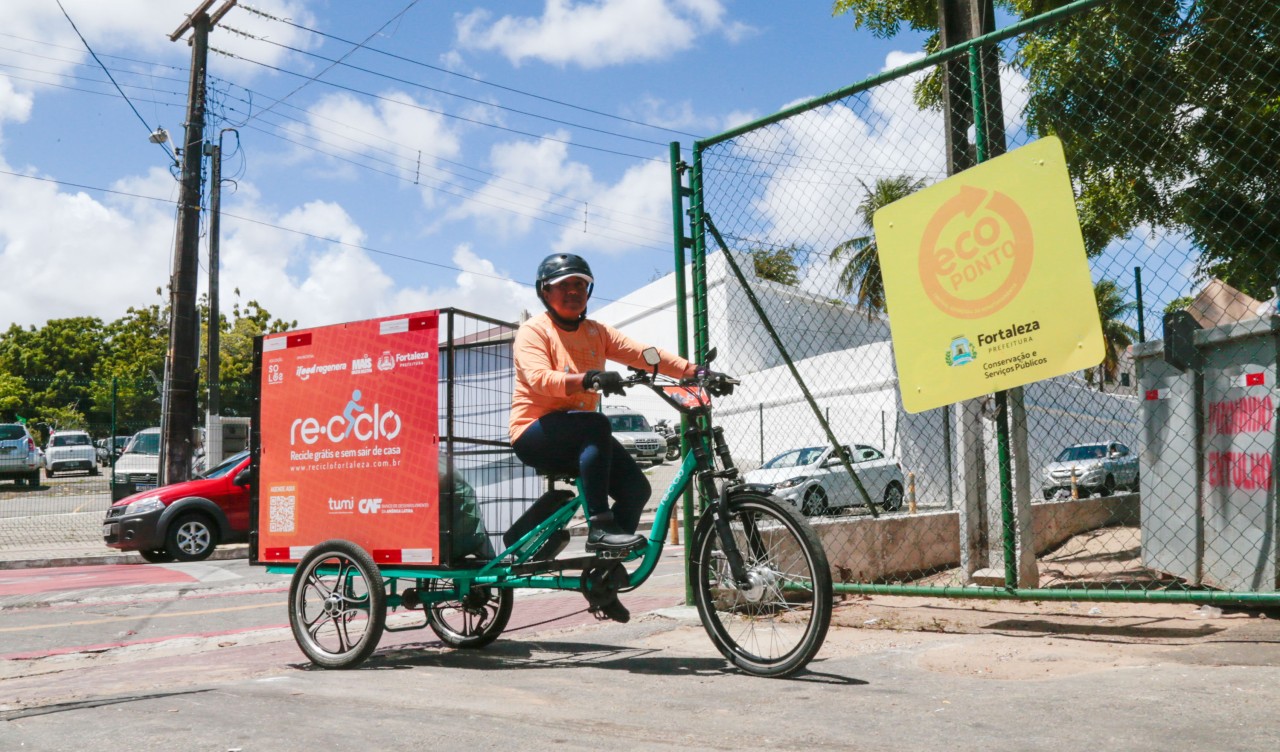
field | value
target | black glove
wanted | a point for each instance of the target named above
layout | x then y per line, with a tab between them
605	382
719	384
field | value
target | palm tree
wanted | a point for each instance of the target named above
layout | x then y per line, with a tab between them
862	268
1116	335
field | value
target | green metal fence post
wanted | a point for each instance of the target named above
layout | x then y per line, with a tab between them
681	241
111	441
1137	283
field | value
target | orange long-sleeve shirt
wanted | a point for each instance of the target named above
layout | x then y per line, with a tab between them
546	354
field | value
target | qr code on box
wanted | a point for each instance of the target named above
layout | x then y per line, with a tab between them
280	506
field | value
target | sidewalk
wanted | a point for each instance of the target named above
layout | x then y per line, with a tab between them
74	540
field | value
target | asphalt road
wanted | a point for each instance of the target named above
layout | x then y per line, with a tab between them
62	494
198	657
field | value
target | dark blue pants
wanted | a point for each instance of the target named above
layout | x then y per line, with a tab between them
581	443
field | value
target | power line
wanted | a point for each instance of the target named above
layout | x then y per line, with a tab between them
473	79
481	102
406	149
442	113
150	130
353	49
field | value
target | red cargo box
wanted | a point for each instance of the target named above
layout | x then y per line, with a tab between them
347	440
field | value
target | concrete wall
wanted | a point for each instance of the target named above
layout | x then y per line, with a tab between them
866	549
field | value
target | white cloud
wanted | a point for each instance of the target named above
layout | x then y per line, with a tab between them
67	254
479	287
595	34
395	132
634	211
532	180
317	282
536	181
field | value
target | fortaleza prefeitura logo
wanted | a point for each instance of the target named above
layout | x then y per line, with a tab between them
961	352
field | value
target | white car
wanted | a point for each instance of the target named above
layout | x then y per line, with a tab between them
70	450
815	480
138	467
633	431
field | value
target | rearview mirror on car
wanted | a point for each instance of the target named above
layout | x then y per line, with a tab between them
242	478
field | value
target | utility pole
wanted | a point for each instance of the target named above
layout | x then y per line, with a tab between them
179	415
213	416
972	99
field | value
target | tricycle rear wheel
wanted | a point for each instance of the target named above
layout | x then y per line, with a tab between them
473	621
337	605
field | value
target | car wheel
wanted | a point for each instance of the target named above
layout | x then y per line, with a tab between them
47	473
33	479
815	502
93	470
191	537
156	556
893	497
1109	486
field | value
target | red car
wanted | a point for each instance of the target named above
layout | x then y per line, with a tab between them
184	521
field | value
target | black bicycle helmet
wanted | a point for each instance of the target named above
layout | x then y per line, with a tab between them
558	266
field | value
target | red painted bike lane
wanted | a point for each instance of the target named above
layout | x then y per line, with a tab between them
33	581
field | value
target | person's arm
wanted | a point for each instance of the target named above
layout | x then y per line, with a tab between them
621	348
533	363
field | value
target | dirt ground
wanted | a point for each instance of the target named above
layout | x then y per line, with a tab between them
1038	639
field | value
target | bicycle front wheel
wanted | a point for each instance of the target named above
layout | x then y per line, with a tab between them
775	622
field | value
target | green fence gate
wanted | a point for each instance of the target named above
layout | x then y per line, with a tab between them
1171	125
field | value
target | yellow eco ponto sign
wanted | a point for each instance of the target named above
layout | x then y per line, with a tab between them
986	280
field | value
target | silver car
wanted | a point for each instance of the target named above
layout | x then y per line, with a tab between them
814	479
19	456
1098	468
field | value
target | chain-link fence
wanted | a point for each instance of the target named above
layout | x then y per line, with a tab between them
1147	477
60	470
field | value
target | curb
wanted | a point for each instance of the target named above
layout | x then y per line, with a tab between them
221	553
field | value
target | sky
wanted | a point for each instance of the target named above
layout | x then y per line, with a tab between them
394	155
380	156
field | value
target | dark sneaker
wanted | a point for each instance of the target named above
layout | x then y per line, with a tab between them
607	537
612	609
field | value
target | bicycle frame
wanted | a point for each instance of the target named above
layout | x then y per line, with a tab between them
509	569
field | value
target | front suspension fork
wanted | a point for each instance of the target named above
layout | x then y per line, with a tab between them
721	515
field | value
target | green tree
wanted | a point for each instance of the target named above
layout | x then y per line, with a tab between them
134	362
1116	335
14	396
861	255
777	264
1177	304
236	348
1168	112
55	363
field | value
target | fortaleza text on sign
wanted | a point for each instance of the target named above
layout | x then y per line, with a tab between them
1014	331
